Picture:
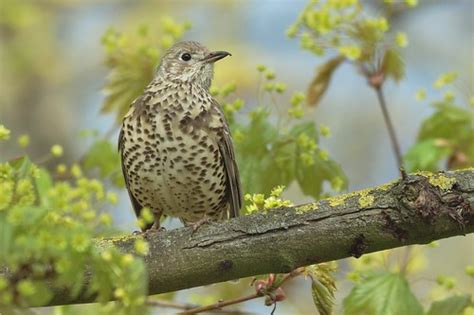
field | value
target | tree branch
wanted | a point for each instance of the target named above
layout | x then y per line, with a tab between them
418	210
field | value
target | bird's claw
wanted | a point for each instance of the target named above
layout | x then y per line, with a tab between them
195	225
155	228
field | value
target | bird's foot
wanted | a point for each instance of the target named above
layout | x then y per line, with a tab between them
155	228
195	225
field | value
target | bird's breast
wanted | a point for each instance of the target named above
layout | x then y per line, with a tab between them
173	158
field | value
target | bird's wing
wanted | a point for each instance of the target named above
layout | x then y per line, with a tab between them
232	171
136	205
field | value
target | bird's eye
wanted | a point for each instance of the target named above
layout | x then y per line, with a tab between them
186	57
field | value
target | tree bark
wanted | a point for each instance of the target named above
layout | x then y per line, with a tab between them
418	210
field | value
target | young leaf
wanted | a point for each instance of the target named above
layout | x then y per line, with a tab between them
382	293
22	166
426	155
311	177
453	305
447	134
323	286
43	184
393	65
6	237
309	128
320	83
253	154
448	122
103	156
323	299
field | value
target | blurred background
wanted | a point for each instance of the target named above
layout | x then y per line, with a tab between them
52	73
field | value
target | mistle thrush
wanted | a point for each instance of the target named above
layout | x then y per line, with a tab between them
175	144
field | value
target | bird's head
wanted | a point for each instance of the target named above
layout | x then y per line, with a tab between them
190	62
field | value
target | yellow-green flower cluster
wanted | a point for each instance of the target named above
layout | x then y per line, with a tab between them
325	131
141	247
6	193
132	59
25	194
469	270
411	3
173	31
445	79
48	223
420	95
231	108
146	218
258	202
296	102
23	141
57	150
223	91
446	281
4	133
270	85
401	39
351	52
308	147
339	25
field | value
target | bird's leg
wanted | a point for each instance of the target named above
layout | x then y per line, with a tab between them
195	225
154	228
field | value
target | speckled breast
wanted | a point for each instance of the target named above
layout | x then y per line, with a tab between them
173	164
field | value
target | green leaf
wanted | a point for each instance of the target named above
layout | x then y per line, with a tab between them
6	234
258	135
104	156
249	168
453	305
22	166
448	122
26	216
253	153
323	286
426	155
447	134
382	294
311	177
308	128
43	183
322	298
393	65
321	81
42	293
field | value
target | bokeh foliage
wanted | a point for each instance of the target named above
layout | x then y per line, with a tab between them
49	217
447	136
47	231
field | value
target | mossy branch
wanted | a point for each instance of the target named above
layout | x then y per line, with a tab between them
418	210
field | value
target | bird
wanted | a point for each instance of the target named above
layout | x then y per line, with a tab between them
175	144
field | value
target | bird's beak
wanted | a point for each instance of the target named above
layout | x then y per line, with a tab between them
215	55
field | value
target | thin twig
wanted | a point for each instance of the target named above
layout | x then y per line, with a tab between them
169	304
184	307
391	129
221	304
